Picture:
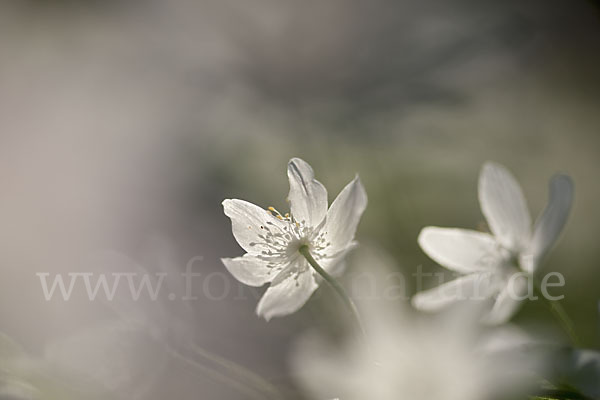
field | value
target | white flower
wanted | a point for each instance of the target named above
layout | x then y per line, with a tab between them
272	241
417	357
488	262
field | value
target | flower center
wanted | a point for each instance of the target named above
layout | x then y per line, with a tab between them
280	242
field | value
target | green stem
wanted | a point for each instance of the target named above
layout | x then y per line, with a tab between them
339	289
566	322
562	317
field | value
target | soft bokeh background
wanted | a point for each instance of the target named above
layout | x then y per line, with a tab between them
119	120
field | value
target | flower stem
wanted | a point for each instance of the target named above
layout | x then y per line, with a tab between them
563	318
566	322
339	289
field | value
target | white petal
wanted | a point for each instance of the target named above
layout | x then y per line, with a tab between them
551	222
460	250
503	205
468	287
344	214
508	302
248	221
335	264
287	294
249	270
307	197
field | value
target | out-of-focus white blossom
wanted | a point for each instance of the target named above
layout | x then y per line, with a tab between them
489	263
408	356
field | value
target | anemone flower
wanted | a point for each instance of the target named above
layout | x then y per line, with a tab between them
493	265
278	246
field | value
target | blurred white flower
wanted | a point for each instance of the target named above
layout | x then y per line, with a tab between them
417	357
272	241
489	262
